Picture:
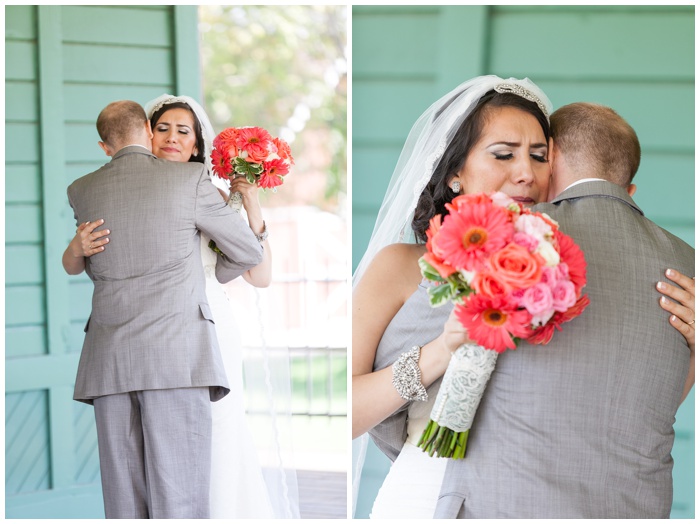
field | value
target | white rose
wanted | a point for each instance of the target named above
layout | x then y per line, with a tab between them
547	251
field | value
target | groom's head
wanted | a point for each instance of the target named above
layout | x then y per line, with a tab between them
123	123
592	141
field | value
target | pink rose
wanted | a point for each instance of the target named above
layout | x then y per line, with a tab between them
533	226
538	302
562	271
550	276
501	199
527	241
563	295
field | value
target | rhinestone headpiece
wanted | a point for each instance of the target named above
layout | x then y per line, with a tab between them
519	90
163	102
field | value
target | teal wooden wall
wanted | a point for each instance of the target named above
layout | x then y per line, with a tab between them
638	60
63	64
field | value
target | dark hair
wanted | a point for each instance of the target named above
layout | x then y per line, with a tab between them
199	157
120	121
597	142
438	193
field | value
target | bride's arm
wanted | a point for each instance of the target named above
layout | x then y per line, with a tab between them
682	315
388	282
85	243
260	275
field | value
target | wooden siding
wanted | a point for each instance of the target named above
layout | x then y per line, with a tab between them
636	59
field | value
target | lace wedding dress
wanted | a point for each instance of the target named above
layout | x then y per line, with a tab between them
412	486
238	488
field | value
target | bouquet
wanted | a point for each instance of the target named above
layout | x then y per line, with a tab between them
253	153
512	276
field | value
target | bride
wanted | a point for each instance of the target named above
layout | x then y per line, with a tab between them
449	151
182	132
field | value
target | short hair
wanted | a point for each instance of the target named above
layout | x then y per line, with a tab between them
596	142
120	122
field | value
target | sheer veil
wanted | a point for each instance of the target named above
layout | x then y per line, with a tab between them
423	149
266	373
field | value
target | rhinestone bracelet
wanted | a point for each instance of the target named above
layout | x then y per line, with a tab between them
406	376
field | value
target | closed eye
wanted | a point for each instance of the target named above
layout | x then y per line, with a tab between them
539	158
503	156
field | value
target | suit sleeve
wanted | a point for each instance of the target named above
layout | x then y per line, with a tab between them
241	250
70	191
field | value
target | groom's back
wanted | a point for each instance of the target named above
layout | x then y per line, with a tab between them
583	427
150	325
148	205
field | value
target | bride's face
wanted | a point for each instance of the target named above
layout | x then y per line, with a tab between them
510	156
174	136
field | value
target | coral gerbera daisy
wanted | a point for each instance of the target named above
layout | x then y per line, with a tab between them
254	140
272	173
572	256
221	163
470	233
493	322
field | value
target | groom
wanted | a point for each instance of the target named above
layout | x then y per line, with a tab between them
150	362
583	427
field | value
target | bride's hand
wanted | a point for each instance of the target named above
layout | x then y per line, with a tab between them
454	334
247	190
683	309
87	241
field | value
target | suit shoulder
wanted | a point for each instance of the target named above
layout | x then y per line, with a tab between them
181	167
680	245
85	179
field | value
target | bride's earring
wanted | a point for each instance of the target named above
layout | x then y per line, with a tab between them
456	186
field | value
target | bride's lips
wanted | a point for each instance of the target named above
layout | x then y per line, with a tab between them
169	149
526	201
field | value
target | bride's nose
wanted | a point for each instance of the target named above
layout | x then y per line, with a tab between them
171	137
523	172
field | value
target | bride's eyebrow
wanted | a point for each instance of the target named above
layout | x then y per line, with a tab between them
516	144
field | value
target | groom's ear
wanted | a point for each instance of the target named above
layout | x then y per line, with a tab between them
550	154
149	131
631	189
108	150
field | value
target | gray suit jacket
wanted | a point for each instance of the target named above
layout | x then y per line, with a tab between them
583	427
150	326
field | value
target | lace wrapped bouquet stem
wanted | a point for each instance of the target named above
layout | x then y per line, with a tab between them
512	276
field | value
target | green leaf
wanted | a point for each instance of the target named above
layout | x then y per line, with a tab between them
429	272
212	246
243	167
439	295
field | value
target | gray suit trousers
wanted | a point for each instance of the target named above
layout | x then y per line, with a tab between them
155	453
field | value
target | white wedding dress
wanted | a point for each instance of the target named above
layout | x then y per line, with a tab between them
238	488
412	486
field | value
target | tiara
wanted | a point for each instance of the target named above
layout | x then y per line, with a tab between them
519	90
161	103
